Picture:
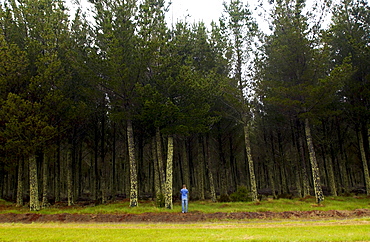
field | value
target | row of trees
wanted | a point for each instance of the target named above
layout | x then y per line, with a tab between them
127	105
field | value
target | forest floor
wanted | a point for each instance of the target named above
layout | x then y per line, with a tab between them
171	217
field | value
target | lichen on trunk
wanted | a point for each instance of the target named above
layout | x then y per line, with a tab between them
34	188
20	183
315	169
168	196
162	175
250	164
157	185
364	163
133	170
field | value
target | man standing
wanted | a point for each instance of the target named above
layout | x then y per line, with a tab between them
184	199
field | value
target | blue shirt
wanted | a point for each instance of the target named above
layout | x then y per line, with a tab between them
184	193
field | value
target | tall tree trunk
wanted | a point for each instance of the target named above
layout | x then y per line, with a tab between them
315	169
327	156
168	196
208	168
162	174
2	179
185	165
343	174
114	169
34	186
331	177
342	159
271	165
20	183
45	202
295	171
282	166
57	183
103	185
133	170
200	168
364	163
157	183
306	186
142	172
79	181
69	177
250	163
234	178
223	170
96	165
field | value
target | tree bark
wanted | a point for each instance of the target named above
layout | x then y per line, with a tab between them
200	169
271	165
168	196
45	202
69	178
315	169
133	170
364	163
79	180
342	160
34	186
57	183
96	178
162	174
250	164
185	165
223	170
327	156
157	184
20	183
305	185
2	178
103	180
208	168
114	180
331	177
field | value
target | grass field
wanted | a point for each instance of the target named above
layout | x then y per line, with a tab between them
280	205
349	229
346	230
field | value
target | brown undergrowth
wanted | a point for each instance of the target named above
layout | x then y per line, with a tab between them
163	217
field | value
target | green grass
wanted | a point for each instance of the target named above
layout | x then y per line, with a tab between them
345	230
280	205
252	230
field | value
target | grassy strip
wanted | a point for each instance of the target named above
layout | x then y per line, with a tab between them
281	205
345	230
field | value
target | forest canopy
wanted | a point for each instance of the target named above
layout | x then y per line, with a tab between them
129	106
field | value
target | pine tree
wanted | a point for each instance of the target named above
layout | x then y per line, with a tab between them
41	41
295	79
348	38
118	69
242	29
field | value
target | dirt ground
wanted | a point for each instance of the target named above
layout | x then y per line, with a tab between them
192	216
